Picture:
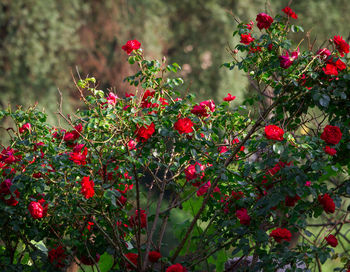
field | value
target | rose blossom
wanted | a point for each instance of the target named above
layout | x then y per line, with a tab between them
131	46
184	125
280	234
331	134
57	256
287	10
191	171
36	210
133	258
330	151
176	268
154	256
203	188
290	201
202	108
287	60
327	202
87	187
25	127
242	215
264	20
273	132
229	97
341	45
246	39
134	219
331	240
145	132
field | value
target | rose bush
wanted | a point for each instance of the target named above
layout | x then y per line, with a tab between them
110	184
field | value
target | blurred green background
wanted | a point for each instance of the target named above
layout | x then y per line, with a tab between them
44	42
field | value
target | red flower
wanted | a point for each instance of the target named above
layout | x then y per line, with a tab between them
25	127
341	45
132	144
287	10
133	258
77	156
87	187
250	25
246	38
56	256
184	125
287	60
264	20
229	97
88	260
154	256
330	69
324	53
203	188
327	203
134	219
145	99
330	151
145	132
331	240
9	156
131	46
203	107
5	191
176	268
280	234
192	173
242	215
36	210
273	132
331	134
291	201
73	134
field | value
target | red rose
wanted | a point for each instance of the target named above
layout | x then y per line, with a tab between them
331	134
203	188
88	260
229	97
287	10
331	240
191	171
25	127
56	256
176	268
133	258
273	132
330	69
280	234
327	203
324	53
77	156
341	45
330	151
134	219
291	201
184	125
246	38
242	215
203	107
154	256
264	20
145	132
145	99
36	210
131	46
5	191
87	187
